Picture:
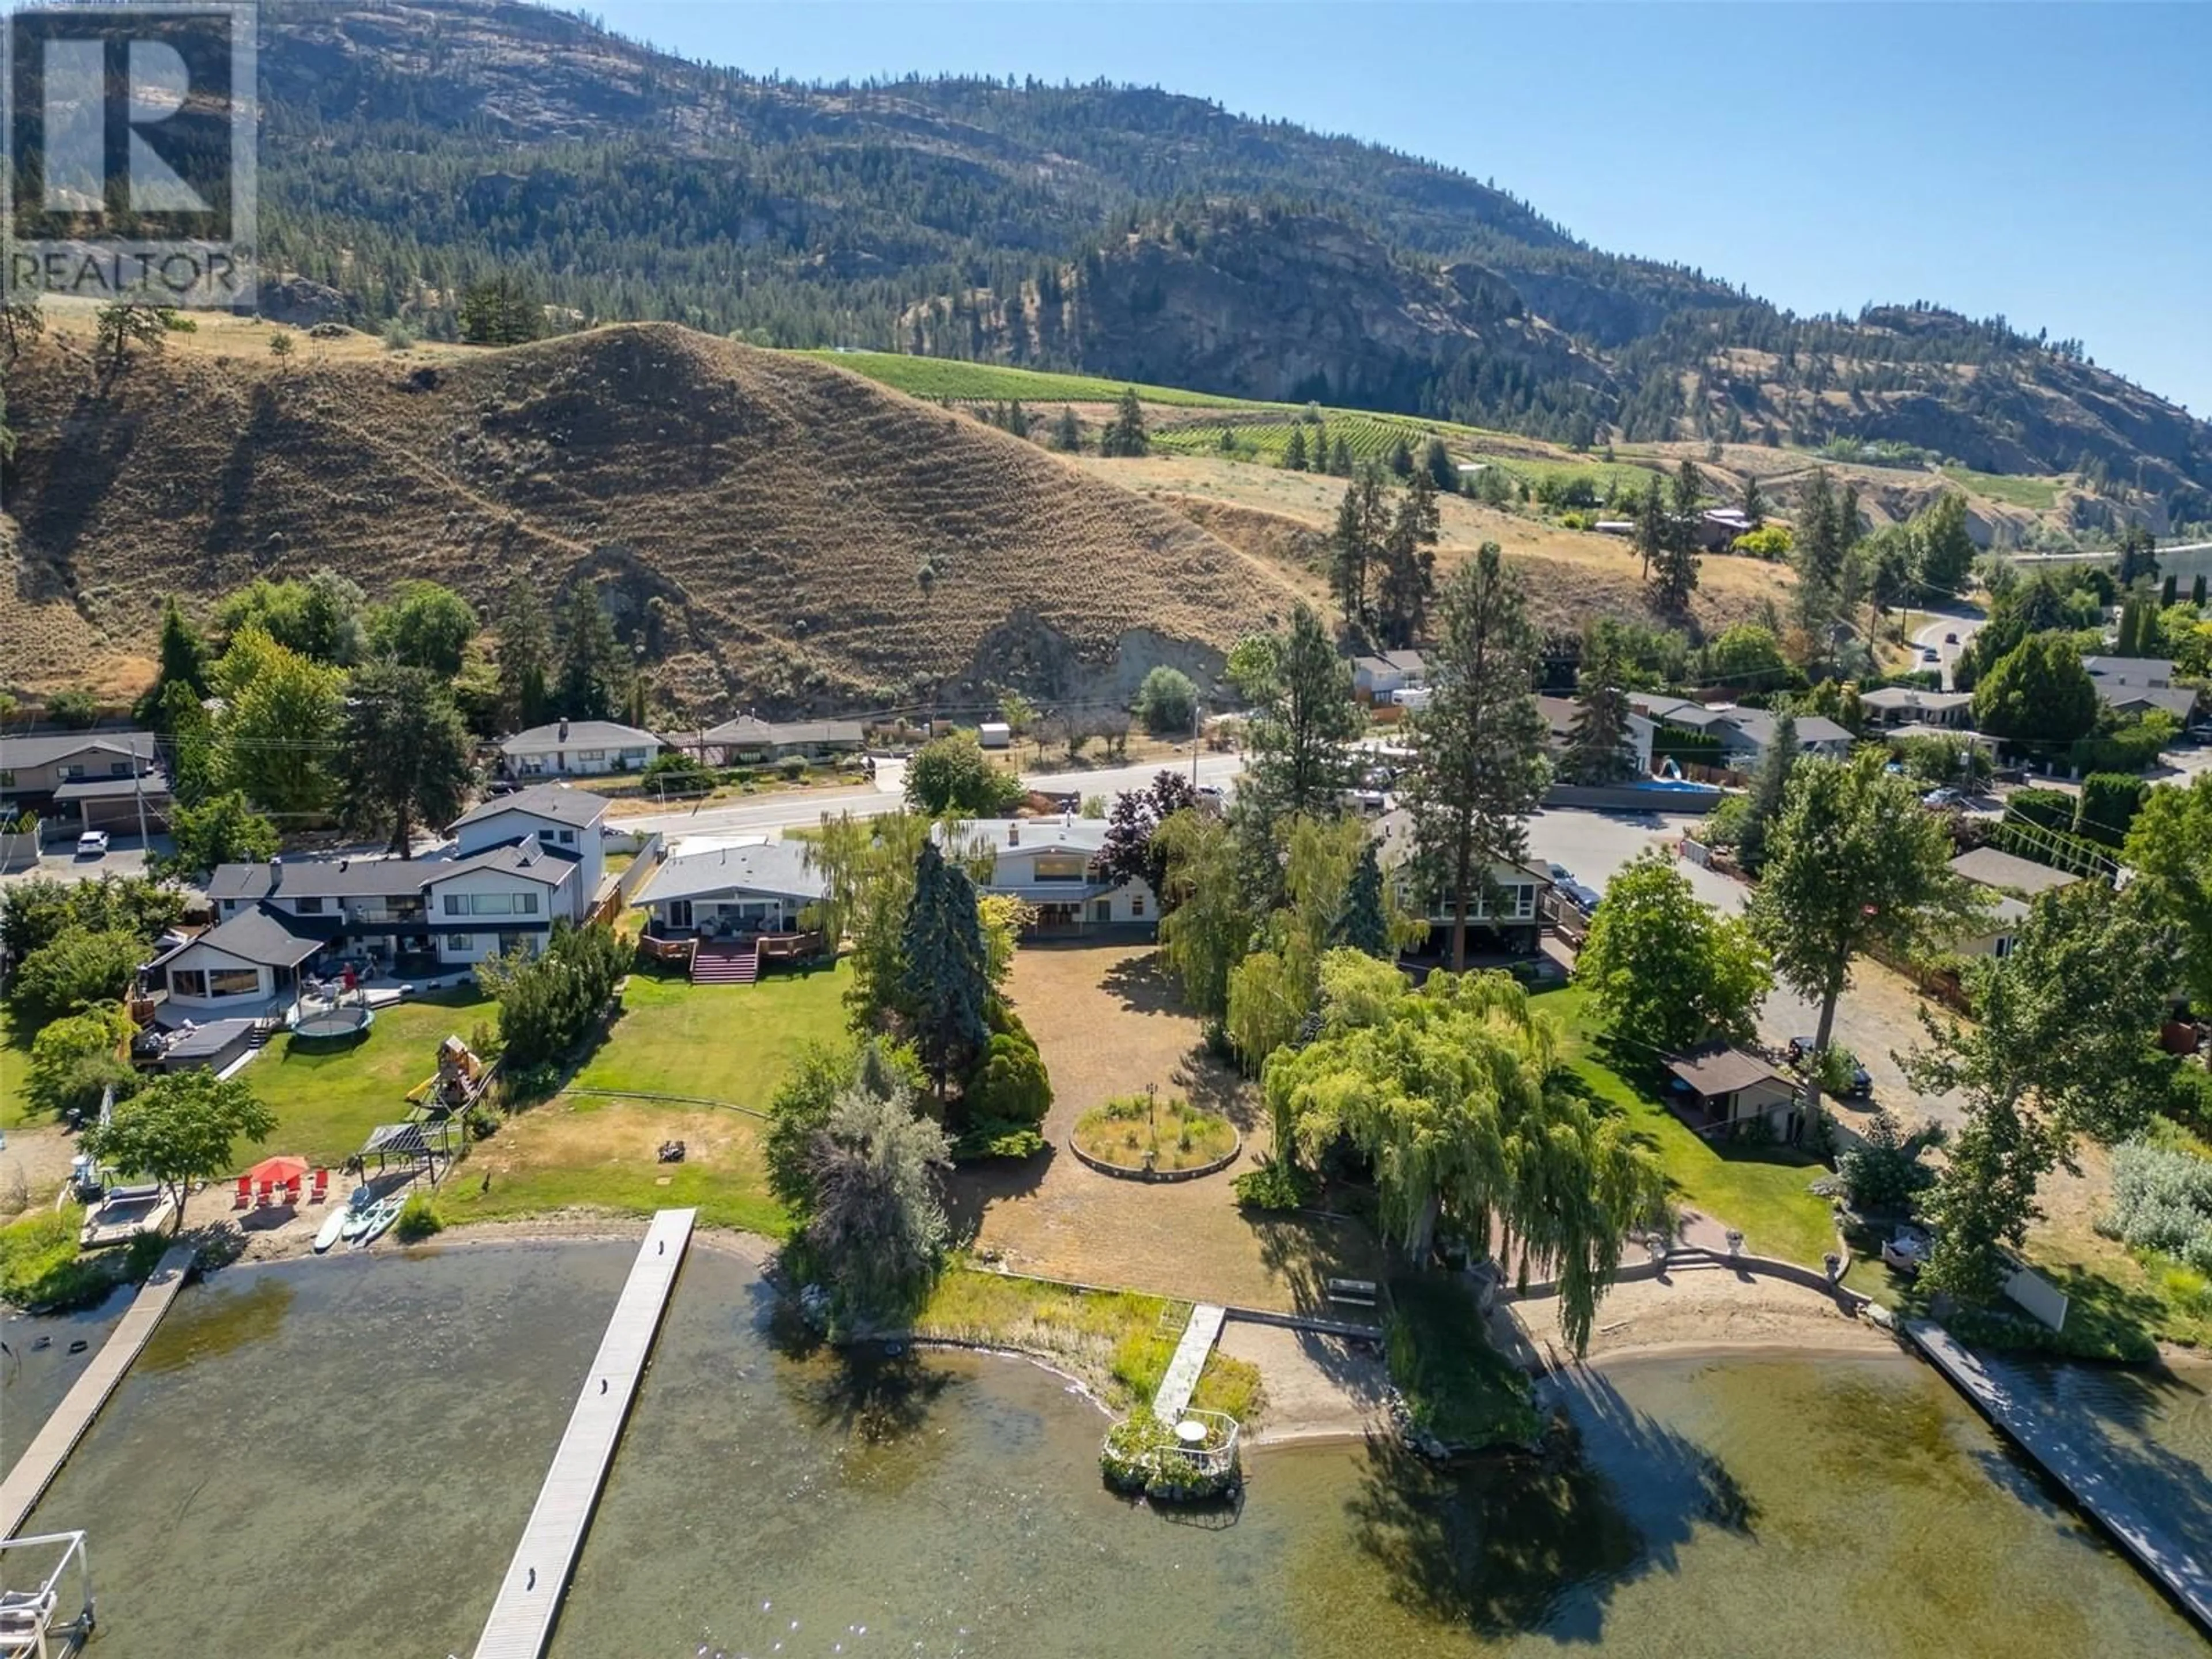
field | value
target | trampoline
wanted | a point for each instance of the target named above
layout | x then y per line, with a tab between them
334	1024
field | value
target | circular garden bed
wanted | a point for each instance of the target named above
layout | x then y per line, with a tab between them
1140	1139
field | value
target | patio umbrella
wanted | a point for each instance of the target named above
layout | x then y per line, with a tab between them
280	1171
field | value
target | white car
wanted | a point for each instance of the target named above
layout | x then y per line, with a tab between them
1930	653
1940	798
92	844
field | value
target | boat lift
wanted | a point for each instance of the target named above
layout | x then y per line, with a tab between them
30	1626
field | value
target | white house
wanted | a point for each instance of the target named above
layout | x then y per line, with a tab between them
732	892
1504	912
1743	734
748	738
579	749
1895	706
1052	865
502	900
1381	675
245	967
566	822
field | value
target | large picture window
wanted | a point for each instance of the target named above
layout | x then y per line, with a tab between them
233	982
188	982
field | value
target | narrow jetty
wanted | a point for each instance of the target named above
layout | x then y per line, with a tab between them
521	1620
2186	1577
1173	1398
50	1448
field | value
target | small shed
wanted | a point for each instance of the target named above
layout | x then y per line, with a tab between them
995	735
1720	1090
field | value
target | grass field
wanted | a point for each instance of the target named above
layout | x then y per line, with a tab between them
14	1065
1598	474
2037	494
1760	1190
944	377
723	1042
1371	436
327	1099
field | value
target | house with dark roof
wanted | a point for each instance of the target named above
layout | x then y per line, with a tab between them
1744	735
749	740
1894	708
101	779
1719	1091
565	822
578	749
245	967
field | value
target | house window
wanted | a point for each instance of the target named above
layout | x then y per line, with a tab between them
534	765
2003	948
73	770
188	982
118	769
529	907
457	904
459	944
1136	904
491	904
566	837
1057	866
632	757
233	982
679	912
591	755
308	907
1524	901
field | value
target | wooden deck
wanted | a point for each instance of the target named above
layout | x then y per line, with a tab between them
50	1448
2186	1577
1180	1379
521	1620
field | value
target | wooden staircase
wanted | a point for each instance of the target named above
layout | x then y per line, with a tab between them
725	964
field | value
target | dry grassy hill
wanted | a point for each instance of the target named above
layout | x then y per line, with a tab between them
1572	576
768	529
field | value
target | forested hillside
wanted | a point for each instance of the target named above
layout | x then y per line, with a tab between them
412	150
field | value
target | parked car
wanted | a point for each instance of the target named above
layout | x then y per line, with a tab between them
1801	1051
1584	899
1942	798
92	844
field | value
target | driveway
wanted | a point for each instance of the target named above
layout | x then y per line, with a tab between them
126	856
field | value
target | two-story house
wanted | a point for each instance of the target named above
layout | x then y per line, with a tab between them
1380	676
1504	912
565	822
101	780
1052	865
577	749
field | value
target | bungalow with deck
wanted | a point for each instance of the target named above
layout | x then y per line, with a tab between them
577	749
732	892
1895	706
247	967
1053	866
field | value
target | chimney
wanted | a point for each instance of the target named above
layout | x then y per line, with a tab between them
564	728
276	872
1014	832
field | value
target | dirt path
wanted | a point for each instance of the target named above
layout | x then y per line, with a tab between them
1108	1022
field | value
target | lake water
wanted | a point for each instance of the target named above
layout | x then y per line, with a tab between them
339	1455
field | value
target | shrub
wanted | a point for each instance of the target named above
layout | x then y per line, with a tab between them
678	768
549	1004
40	1268
1140	1455
1276	1184
73	1062
418	1220
1011	1085
2110	801
991	1137
77	970
1167	701
1881	1177
2127	747
952	775
2049	809
2162	1200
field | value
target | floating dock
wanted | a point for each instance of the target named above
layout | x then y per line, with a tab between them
1180	1379
50	1448
521	1620
2185	1577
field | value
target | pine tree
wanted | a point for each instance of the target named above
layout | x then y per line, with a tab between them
1294	451
1597	750
1340	457
1018	419
1754	503
1365	925
525	656
1437	463
406	752
2196	591
1817	549
1677	569
1650	528
1066	436
1401	458
1478	769
1407	581
1766	792
945	975
1125	433
595	673
1302	725
1355	548
183	657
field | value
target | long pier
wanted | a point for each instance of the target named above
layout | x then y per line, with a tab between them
521	1620
2186	1577
50	1448
1181	1378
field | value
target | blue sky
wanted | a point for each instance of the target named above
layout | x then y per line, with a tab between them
2053	163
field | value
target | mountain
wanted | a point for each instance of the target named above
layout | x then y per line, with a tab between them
768	531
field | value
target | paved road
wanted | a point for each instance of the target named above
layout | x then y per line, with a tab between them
1964	624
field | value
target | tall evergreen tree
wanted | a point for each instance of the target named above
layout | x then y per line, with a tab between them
1340	456
1754	502
1294	450
1066	436
1651	529
1402	458
1125	433
946	978
183	657
1365	923
1767	790
1945	550
1355	548
1676	577
1817	549
1598	750
406	752
1304	721
525	656
1409	578
595	671
1442	470
1478	769
2138	554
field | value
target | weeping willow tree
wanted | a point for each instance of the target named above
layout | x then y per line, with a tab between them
1456	1094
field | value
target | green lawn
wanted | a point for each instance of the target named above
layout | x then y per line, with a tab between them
1760	1190
327	1099
945	377
726	1042
2039	495
14	1068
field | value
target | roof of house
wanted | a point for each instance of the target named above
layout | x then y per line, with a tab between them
151	785
1718	1069
1678	711
1759	725
577	734
748	729
1394	835
1065	834
524	857
24	753
1393	662
1559	714
1912	696
2138	671
1992	866
346	878
778	867
2178	700
555	801
266	937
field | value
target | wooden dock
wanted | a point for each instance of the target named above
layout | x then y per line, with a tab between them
521	1620
1198	1337
50	1448
2186	1577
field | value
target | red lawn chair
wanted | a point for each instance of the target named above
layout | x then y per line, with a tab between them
292	1191
244	1200
268	1194
322	1185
